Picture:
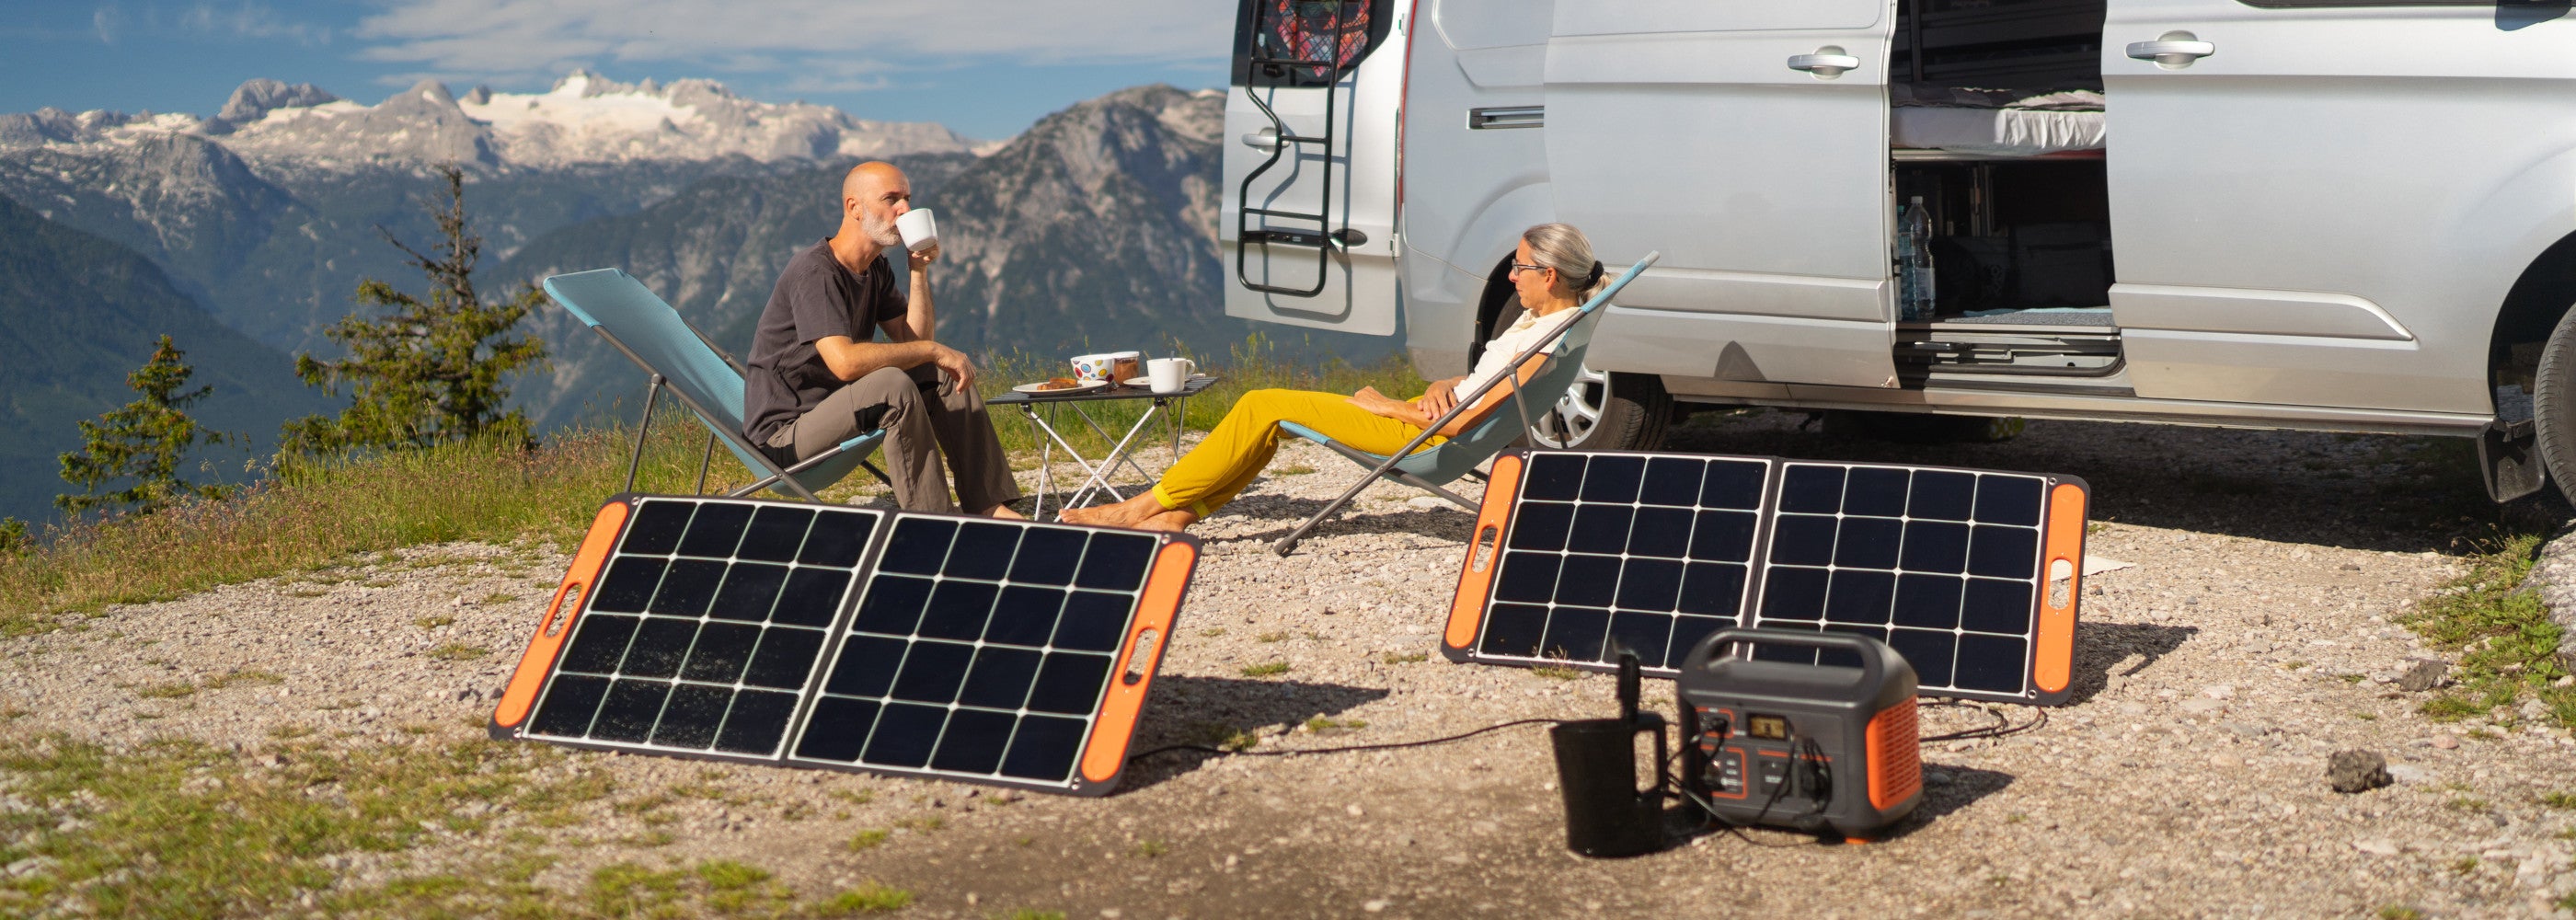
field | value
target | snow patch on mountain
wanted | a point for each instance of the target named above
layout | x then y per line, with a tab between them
583	119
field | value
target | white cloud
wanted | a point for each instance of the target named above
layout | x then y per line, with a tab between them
108	21
250	20
533	37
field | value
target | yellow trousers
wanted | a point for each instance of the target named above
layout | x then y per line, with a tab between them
1235	452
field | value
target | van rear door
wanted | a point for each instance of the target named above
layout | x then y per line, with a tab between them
1308	226
1748	142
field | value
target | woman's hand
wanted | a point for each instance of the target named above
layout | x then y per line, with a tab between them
1439	398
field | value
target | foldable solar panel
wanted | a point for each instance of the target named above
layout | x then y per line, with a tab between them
1970	574
1005	652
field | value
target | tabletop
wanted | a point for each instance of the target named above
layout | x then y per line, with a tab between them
1121	391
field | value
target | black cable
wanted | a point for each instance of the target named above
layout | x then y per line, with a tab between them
1345	749
2003	725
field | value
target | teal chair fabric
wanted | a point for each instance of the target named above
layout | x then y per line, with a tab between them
1432	468
650	333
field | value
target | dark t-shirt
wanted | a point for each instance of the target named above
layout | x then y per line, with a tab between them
815	298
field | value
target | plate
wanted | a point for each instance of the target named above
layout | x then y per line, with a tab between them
1033	388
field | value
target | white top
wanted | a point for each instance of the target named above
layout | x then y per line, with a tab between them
1529	330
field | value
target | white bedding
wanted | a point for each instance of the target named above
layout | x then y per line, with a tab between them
1980	123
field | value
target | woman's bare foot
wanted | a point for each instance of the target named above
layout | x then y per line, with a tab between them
1175	520
1004	512
1127	513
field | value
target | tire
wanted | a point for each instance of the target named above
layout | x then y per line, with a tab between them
2553	405
1602	411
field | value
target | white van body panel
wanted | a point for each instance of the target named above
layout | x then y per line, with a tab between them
2316	214
1478	187
1764	186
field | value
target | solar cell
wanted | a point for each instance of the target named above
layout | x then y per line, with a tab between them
1582	554
1004	652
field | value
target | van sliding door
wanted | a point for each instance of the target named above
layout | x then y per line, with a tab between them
1747	140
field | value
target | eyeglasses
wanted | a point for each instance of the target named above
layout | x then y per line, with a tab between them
1518	267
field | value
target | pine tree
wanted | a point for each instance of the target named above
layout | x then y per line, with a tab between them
430	371
143	442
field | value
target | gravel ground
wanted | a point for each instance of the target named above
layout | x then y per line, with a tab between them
2252	639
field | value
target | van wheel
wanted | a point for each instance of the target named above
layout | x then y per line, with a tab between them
1605	411
2553	405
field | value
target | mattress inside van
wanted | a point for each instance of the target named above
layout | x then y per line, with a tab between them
1989	122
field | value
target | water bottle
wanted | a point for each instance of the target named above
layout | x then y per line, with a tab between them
1914	300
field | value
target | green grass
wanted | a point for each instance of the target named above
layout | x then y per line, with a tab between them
868	839
1406	657
309	516
2508	646
1556	672
1266	669
2559	800
868	898
183	829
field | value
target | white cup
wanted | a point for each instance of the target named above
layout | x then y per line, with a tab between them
1169	375
919	229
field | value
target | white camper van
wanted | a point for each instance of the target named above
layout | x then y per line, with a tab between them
2352	215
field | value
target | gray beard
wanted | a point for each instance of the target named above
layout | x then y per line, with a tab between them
882	233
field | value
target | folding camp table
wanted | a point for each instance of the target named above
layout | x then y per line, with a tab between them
1042	411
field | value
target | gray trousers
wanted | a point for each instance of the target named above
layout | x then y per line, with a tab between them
921	423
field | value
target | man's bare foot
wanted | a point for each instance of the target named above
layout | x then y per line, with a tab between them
1004	512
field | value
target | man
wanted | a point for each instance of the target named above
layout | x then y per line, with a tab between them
819	377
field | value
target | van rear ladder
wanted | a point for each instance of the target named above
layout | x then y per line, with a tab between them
1273	67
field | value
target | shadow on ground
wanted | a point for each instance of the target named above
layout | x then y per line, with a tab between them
2099	646
2374	492
1221	711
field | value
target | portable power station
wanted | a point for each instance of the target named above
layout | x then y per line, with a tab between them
1825	741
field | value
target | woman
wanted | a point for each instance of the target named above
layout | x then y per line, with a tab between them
1554	272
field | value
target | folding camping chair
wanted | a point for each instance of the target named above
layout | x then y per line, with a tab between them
1430	469
700	375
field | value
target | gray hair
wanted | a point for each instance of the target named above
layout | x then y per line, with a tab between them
1569	252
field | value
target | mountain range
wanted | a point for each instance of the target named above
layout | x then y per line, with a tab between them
1095	227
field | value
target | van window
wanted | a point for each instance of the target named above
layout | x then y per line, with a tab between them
1305	30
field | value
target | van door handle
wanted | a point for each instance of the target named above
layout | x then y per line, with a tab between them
1264	139
2173	51
1828	62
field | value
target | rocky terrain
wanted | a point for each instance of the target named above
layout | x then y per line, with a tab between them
2252	635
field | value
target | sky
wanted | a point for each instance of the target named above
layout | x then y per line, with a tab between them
986	68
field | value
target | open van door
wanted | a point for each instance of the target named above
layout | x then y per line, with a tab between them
1308	227
1748	141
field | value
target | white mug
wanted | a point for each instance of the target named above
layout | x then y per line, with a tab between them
1169	375
919	229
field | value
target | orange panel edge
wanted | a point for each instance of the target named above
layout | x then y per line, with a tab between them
1156	606
2053	652
555	627
1467	607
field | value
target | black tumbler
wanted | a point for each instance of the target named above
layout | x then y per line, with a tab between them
1596	766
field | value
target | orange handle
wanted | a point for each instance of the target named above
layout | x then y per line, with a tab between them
1155	608
1476	574
2053	664
556	627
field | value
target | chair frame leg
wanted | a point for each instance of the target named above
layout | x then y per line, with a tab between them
635	457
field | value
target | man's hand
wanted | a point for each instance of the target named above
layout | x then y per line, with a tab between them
921	260
954	362
1439	398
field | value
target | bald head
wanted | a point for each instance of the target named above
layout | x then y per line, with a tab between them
873	194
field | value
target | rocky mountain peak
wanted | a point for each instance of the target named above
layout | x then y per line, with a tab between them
257	97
